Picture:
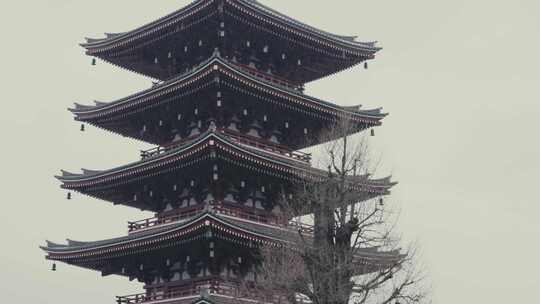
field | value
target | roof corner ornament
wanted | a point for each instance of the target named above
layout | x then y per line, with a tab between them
209	208
216	52
213	126
205	293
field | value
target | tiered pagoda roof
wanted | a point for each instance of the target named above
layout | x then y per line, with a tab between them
229	115
217	83
113	256
208	147
249	233
299	52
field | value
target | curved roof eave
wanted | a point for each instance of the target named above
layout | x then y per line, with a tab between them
268	11
271	233
75	246
91	42
216	58
168	20
206	136
68	176
90	174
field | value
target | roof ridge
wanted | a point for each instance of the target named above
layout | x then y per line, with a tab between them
345	38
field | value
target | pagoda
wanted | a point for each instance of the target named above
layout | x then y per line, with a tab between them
228	115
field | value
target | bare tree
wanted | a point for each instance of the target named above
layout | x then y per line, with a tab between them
349	253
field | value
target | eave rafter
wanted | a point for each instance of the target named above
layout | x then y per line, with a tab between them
250	7
230	76
344	51
119	108
90	254
258	160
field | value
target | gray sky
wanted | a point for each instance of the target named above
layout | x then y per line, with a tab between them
460	79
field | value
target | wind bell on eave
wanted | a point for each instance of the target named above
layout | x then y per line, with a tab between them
94	61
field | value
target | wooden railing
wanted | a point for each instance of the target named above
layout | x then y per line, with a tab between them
301	227
216	287
274	148
224	208
270	78
141	225
264	219
153	152
170	294
239	138
163	149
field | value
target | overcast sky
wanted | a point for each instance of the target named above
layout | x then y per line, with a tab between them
460	79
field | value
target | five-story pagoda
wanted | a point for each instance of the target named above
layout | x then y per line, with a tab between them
228	115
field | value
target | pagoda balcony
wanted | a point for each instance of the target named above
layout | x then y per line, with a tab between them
220	208
280	81
210	287
267	220
269	147
239	138
155	222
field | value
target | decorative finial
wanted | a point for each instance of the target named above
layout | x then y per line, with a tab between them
205	293
213	126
